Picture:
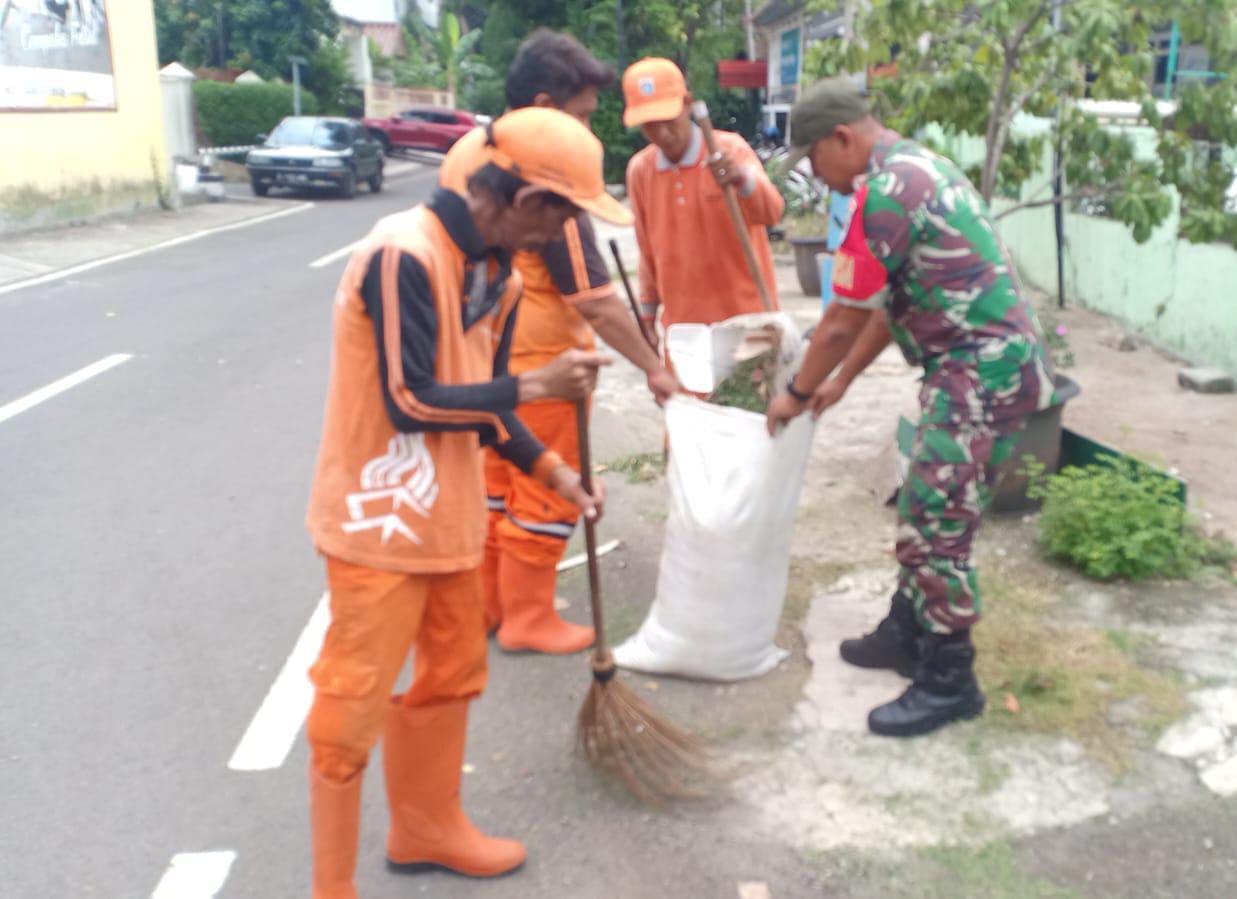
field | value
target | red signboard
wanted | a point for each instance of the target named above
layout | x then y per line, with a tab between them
742	73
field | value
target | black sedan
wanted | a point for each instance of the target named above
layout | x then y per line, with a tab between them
309	152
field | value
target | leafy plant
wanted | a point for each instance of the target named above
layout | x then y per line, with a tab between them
804	196
1119	519
232	114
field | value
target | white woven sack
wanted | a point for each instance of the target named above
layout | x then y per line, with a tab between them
725	561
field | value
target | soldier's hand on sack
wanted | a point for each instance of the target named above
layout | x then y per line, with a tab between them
565	481
571	376
827	394
726	170
662	384
782	410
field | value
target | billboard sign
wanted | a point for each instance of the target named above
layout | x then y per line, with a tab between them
55	55
790	56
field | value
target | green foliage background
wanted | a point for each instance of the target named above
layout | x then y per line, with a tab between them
233	114
970	65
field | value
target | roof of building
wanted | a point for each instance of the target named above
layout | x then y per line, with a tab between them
776	10
367	12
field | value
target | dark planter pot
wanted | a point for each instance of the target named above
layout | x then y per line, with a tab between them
1041	439
806	251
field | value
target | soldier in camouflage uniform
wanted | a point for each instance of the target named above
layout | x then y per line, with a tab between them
922	247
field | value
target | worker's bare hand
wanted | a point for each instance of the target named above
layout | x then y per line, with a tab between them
782	411
726	170
571	376
826	395
663	384
565	481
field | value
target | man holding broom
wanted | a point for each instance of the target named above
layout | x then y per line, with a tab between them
567	296
692	265
423	327
921	264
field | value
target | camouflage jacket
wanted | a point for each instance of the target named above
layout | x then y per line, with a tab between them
954	302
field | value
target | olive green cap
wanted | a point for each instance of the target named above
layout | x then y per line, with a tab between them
815	115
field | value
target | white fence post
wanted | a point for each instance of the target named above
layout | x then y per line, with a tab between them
176	85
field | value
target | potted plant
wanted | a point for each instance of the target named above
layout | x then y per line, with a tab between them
807	235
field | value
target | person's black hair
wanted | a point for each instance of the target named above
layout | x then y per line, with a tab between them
503	186
550	62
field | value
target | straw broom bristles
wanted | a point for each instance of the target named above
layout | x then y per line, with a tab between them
618	732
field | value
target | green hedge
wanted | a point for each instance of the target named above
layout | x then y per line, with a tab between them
236	113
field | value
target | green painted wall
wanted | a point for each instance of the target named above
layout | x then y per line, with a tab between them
1182	296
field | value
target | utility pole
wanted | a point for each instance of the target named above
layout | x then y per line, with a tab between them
297	62
1058	213
622	40
223	39
747	22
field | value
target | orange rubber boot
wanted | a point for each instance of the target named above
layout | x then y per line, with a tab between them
423	755
335	820
530	620
489	581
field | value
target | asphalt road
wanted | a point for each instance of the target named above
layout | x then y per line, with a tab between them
157	576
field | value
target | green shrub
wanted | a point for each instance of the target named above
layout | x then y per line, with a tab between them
1119	520
236	113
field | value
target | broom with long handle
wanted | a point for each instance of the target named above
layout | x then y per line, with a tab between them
618	732
700	112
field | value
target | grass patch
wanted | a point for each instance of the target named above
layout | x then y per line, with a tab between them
639	468
1066	680
990	774
807	576
989	871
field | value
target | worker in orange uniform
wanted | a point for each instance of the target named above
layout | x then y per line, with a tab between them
423	327
567	296
692	266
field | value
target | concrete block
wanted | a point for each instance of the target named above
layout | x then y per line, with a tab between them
1207	380
1121	341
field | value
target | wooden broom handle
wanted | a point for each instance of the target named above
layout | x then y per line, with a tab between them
590	534
631	294
700	112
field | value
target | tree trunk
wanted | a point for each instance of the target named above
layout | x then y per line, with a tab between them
994	139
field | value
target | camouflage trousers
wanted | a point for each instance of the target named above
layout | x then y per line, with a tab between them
947	489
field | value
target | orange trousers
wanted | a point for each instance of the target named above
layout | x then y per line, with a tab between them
377	617
528	520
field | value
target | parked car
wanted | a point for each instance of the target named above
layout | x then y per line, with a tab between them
310	151
422	128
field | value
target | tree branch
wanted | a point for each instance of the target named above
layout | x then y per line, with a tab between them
1021	100
1087	194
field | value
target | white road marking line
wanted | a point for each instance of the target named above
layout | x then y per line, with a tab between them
30	400
142	251
577	561
269	738
331	257
195	875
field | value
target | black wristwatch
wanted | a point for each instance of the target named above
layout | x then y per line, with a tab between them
795	392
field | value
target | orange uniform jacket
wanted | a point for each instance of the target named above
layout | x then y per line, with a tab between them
423	325
691	261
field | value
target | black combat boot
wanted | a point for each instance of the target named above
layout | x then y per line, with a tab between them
944	690
894	644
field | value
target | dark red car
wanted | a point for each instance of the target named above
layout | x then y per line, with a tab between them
422	128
